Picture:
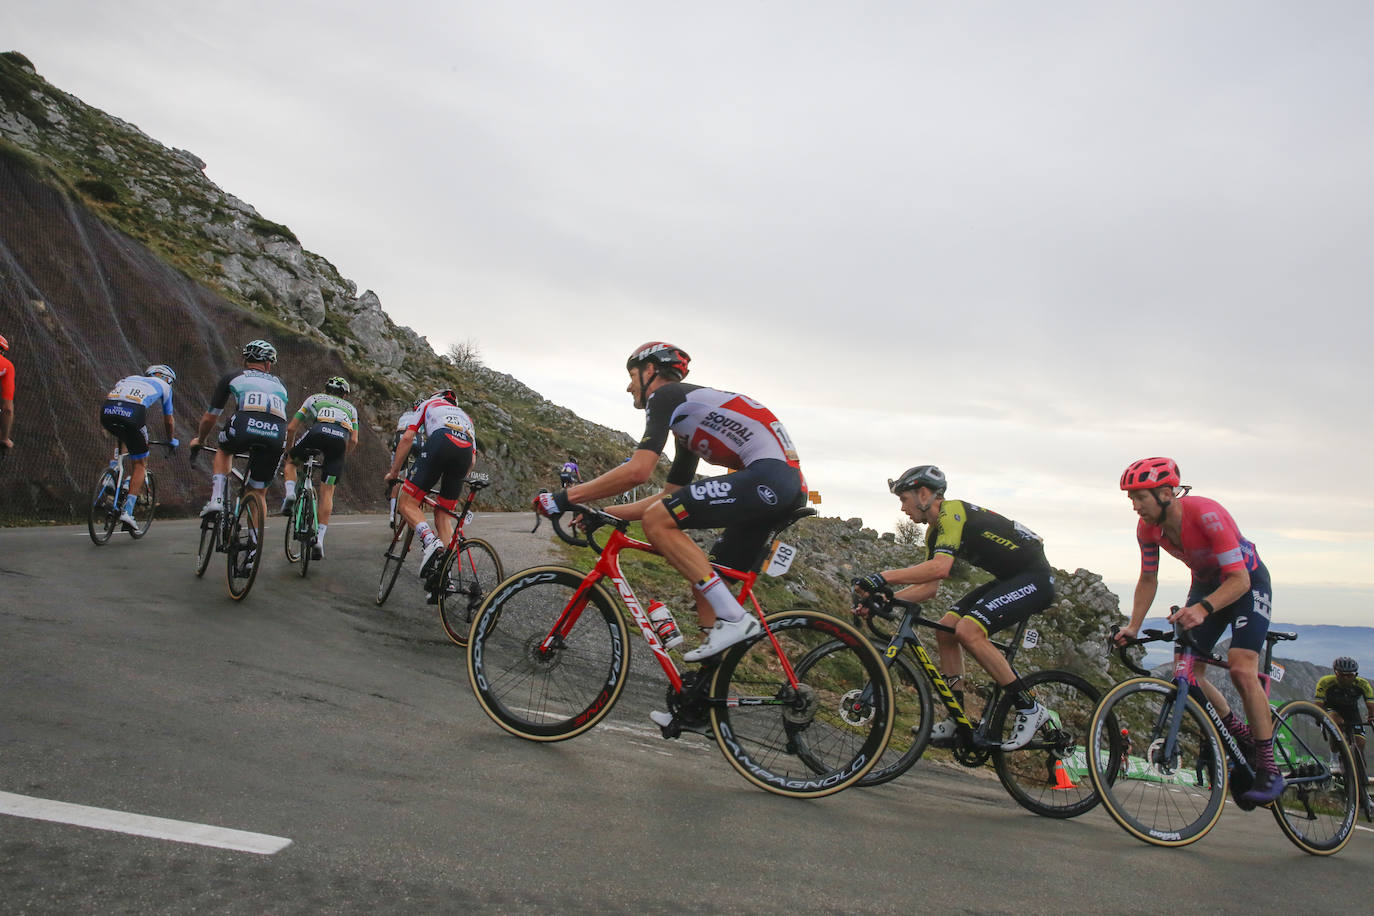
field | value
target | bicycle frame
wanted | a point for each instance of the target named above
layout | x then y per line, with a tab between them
608	567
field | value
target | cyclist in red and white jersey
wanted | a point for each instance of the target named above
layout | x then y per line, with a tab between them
1230	587
725	429
447	456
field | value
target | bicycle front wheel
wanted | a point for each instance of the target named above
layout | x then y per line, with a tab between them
144	507
468	576
1317	809
394	559
540	680
292	534
103	515
1050	774
209	540
813	739
1166	795
243	554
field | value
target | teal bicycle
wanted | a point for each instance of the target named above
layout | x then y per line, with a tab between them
302	531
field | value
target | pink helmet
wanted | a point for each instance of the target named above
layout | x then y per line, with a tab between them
1148	473
4	344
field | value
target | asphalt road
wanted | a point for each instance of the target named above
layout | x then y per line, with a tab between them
308	714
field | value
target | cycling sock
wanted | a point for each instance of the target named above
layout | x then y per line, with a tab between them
1237	728
290	489
425	532
129	503
1264	755
1017	690
319	535
717	594
217	487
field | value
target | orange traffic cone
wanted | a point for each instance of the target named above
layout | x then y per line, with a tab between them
1061	777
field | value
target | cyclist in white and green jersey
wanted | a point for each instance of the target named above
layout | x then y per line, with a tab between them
331	427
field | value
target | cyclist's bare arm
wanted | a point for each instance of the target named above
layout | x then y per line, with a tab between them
1145	590
402	450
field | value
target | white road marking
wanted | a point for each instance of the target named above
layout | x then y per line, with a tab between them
159	828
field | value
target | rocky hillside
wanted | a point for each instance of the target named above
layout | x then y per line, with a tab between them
116	252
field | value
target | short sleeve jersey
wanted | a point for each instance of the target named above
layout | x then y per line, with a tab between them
982	537
569	468
253	391
6	379
437	416
724	428
143	389
1350	697
327	408
1211	544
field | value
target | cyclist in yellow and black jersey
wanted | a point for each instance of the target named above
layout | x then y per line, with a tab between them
1023	584
1347	697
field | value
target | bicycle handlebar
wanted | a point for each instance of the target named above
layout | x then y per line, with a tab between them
591	518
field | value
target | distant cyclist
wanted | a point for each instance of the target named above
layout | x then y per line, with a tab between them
725	429
331	426
1347	697
124	414
568	473
1230	587
1022	584
257	426
448	455
6	395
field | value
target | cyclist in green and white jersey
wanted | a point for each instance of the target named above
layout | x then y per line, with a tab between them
257	425
331	426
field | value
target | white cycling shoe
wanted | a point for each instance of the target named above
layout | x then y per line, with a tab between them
943	734
1028	722
722	636
127	520
213	506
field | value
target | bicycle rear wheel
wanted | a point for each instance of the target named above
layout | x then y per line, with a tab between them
145	506
536	684
102	515
812	740
394	559
1162	799
244	554
466	579
1317	809
305	529
209	540
1050	774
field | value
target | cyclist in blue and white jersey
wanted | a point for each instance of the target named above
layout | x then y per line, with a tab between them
725	429
257	425
331	426
125	414
448	454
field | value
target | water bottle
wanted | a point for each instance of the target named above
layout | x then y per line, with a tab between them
664	625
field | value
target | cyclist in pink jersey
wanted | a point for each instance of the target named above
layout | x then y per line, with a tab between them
725	429
1230	587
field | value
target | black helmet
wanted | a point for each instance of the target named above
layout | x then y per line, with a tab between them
661	354
337	385
1346	665
923	475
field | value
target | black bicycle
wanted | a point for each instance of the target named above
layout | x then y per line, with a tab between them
1181	759
1360	776
236	532
302	531
1048	775
111	491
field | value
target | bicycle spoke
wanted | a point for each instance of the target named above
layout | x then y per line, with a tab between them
1317	809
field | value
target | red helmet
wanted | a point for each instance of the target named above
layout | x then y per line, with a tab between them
661	354
1148	473
4	344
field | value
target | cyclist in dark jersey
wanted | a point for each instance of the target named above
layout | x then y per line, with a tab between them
1347	698
725	429
1023	584
1230	587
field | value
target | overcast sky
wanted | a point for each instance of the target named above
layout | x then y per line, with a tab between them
1027	242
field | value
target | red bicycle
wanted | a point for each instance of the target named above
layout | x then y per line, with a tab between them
549	653
470	568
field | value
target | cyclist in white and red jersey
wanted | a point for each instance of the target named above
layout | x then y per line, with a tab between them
1230	587
447	456
725	429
